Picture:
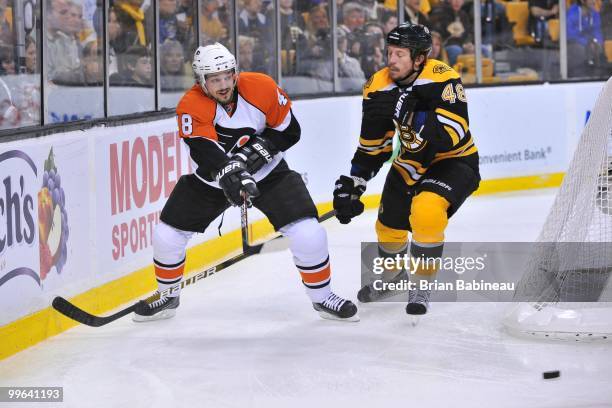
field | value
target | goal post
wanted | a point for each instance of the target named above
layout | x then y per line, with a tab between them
566	290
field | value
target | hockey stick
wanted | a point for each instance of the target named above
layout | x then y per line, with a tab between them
274	244
75	313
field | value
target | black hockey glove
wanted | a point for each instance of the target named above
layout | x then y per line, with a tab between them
234	179
256	153
380	104
405	104
346	197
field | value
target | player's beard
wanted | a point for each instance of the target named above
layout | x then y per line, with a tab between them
226	98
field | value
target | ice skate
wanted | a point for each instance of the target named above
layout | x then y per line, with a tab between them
336	308
418	304
156	308
369	294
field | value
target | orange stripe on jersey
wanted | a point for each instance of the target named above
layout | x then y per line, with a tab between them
262	92
169	273
195	114
318	276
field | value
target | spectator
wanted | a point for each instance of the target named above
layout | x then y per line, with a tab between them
291	25
354	17
172	67
540	11
168	23
348	67
114	34
373	49
30	56
246	47
63	49
211	27
92	64
412	13
496	29
314	49
455	27
584	38
6	26
136	24
372	8
7	60
74	20
135	68
389	21
253	23
437	50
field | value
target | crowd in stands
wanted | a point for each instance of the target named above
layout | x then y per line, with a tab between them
74	35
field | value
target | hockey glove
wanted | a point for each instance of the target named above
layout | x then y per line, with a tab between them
257	153
234	179
405	104
379	105
346	198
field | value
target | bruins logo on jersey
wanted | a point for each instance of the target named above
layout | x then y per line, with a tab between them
441	68
411	140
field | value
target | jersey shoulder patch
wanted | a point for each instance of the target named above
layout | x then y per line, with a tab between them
258	88
379	81
436	71
262	92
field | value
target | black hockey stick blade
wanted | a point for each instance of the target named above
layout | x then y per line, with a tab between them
75	313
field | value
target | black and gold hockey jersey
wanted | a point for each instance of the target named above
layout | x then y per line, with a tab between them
438	129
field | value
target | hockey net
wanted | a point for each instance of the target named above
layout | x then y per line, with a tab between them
566	290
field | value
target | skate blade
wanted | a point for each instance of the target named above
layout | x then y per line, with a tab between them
378	297
328	316
414	320
164	314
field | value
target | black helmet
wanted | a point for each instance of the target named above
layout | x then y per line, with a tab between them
415	37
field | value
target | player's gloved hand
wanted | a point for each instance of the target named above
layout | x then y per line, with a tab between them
404	105
379	105
234	179
346	198
256	153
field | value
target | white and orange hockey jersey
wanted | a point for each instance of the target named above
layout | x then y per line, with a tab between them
260	104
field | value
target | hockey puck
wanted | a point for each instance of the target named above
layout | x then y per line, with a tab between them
551	374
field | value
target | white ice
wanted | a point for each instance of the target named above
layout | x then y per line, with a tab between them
248	337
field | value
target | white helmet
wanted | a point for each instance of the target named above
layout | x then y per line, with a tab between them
211	59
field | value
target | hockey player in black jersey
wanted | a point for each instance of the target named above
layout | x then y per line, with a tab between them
423	101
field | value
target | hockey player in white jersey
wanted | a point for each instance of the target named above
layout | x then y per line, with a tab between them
237	127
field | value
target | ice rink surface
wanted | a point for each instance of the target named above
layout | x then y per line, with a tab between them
248	337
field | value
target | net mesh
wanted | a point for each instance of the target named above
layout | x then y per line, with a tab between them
573	258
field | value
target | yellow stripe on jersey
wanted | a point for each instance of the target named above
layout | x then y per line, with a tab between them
379	81
453	135
469	149
454	117
376	142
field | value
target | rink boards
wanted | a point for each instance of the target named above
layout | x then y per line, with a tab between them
93	241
